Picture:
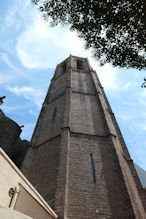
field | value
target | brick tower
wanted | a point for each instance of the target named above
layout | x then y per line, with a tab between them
78	160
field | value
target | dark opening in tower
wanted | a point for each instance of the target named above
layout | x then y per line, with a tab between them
64	67
79	64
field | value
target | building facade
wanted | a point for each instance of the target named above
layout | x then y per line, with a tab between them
18	198
78	160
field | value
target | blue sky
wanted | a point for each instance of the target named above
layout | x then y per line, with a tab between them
29	52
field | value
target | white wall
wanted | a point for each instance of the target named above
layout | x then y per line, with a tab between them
29	201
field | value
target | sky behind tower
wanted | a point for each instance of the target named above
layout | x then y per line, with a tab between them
29	52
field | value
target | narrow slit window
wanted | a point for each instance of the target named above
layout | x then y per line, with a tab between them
92	169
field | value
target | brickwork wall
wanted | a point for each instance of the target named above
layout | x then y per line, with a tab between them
86	197
144	199
125	152
141	190
45	163
85	116
42	172
107	197
75	122
50	121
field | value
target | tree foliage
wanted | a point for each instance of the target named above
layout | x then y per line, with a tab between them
114	29
144	83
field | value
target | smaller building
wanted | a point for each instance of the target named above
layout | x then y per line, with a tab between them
19	199
10	140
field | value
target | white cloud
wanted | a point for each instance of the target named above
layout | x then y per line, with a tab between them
42	47
5	58
29	93
10	109
15	11
124	117
126	86
39	47
7	61
5	79
10	18
142	97
108	76
138	127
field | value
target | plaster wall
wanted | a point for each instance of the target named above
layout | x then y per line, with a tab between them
7	213
29	201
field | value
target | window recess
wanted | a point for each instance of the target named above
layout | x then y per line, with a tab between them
79	64
92	169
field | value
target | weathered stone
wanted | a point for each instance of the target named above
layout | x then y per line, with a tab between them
79	161
10	141
9	133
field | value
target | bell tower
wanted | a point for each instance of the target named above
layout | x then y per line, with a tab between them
78	160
